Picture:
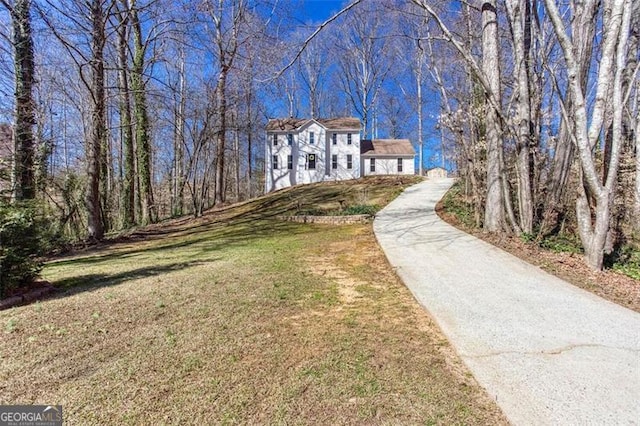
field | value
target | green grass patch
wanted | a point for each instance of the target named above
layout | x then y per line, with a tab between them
562	243
454	203
626	260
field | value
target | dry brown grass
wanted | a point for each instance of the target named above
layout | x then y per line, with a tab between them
237	318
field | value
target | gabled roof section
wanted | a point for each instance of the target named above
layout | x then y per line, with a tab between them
289	124
386	147
285	124
341	123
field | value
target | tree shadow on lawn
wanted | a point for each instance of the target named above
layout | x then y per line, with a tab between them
284	202
89	282
235	233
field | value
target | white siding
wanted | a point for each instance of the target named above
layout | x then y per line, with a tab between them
342	149
322	149
280	177
388	166
304	148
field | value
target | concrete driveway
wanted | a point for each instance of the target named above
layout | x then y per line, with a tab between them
548	352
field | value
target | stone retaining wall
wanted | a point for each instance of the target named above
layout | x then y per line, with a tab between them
330	220
23	299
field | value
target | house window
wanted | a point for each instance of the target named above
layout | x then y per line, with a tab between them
334	161
311	161
348	138
399	164
290	139
334	139
275	162
275	140
349	161
372	165
290	162
312	138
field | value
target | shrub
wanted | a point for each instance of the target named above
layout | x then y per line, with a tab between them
626	260
562	243
360	209
22	241
454	203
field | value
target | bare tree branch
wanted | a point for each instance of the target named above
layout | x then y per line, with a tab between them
312	36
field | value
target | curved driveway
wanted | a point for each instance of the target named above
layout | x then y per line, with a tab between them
548	352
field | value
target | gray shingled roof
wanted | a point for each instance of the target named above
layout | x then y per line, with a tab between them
386	147
340	123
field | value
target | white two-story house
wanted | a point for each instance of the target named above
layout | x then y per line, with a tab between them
315	150
311	150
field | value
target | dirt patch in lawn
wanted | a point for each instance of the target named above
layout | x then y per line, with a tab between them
610	285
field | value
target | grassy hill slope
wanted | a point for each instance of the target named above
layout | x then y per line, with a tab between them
238	317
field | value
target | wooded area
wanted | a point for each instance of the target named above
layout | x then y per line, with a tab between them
126	112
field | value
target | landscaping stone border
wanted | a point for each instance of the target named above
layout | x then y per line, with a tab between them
29	297
330	220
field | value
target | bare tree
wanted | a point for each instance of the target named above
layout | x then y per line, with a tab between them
142	124
228	16
519	14
494	220
363	62
95	145
178	182
126	129
631	84
23	175
583	32
593	225
313	70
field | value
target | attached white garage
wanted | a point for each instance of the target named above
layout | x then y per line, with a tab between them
387	157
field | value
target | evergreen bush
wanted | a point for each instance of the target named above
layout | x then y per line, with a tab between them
23	239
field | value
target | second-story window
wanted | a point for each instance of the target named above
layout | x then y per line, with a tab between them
334	139
348	138
275	140
290	139
312	138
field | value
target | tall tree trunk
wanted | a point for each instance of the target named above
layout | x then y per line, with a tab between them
221	101
236	155
24	145
143	138
636	221
519	13
418	75
179	141
494	219
126	131
249	139
106	175
98	120
583	33
631	79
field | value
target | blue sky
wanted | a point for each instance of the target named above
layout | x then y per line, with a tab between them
315	12
319	10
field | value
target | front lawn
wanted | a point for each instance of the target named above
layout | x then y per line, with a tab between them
237	318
